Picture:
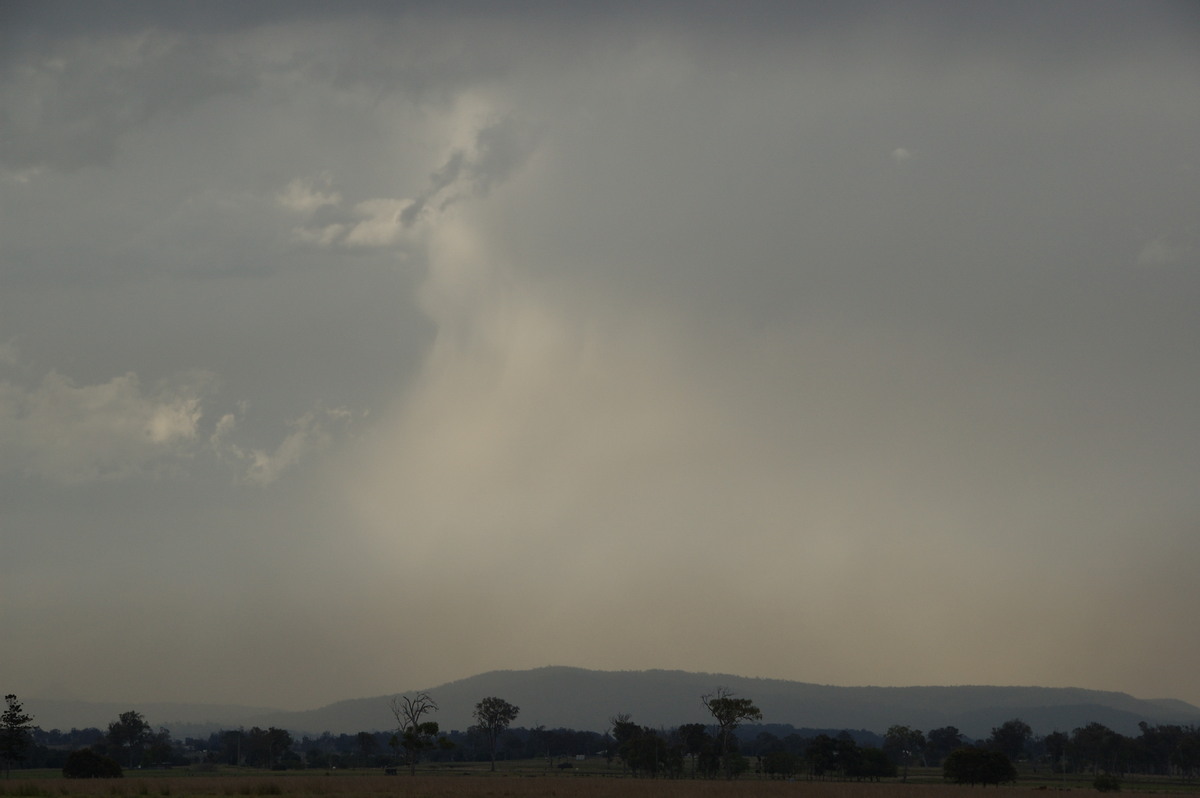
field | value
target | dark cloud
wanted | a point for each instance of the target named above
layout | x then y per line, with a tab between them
861	306
70	106
501	149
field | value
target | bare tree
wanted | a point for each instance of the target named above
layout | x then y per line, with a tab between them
413	734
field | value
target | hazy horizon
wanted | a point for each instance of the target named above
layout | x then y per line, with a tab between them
136	704
574	698
351	348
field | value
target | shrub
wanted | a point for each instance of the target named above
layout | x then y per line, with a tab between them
978	766
1107	782
87	764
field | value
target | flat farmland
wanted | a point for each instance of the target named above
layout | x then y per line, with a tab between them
472	786
509	785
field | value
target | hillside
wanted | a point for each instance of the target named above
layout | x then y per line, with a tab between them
586	699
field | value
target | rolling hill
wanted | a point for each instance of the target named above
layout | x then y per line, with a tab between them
585	699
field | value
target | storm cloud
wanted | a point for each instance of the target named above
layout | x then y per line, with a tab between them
350	350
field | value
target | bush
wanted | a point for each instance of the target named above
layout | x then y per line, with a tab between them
978	766
87	764
1107	782
780	764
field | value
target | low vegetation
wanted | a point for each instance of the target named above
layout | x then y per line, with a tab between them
729	757
520	782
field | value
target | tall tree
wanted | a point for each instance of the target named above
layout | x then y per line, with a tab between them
228	745
366	744
1094	744
265	747
903	743
694	738
1056	744
623	730
413	734
821	756
159	747
1186	756
1010	738
127	733
15	733
1158	743
940	742
729	713
494	715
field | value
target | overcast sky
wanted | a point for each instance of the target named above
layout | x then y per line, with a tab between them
349	349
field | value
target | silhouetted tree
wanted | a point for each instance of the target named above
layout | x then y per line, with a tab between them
1010	738
729	713
849	757
159	748
1056	745
1095	743
902	744
494	715
821	756
695	741
940	742
16	729
266	747
366	746
414	735
1186	755
779	764
649	754
1157	744
127	733
872	764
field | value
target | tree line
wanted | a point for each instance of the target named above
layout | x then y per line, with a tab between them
733	744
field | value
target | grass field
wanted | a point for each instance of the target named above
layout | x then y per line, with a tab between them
518	780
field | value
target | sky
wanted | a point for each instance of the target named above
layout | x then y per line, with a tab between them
350	349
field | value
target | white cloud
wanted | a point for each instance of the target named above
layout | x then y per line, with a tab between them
380	223
305	195
311	433
223	429
482	154
329	223
72	433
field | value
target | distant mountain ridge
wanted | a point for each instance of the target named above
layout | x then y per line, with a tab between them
578	698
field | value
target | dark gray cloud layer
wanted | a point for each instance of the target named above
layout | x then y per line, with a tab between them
574	336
